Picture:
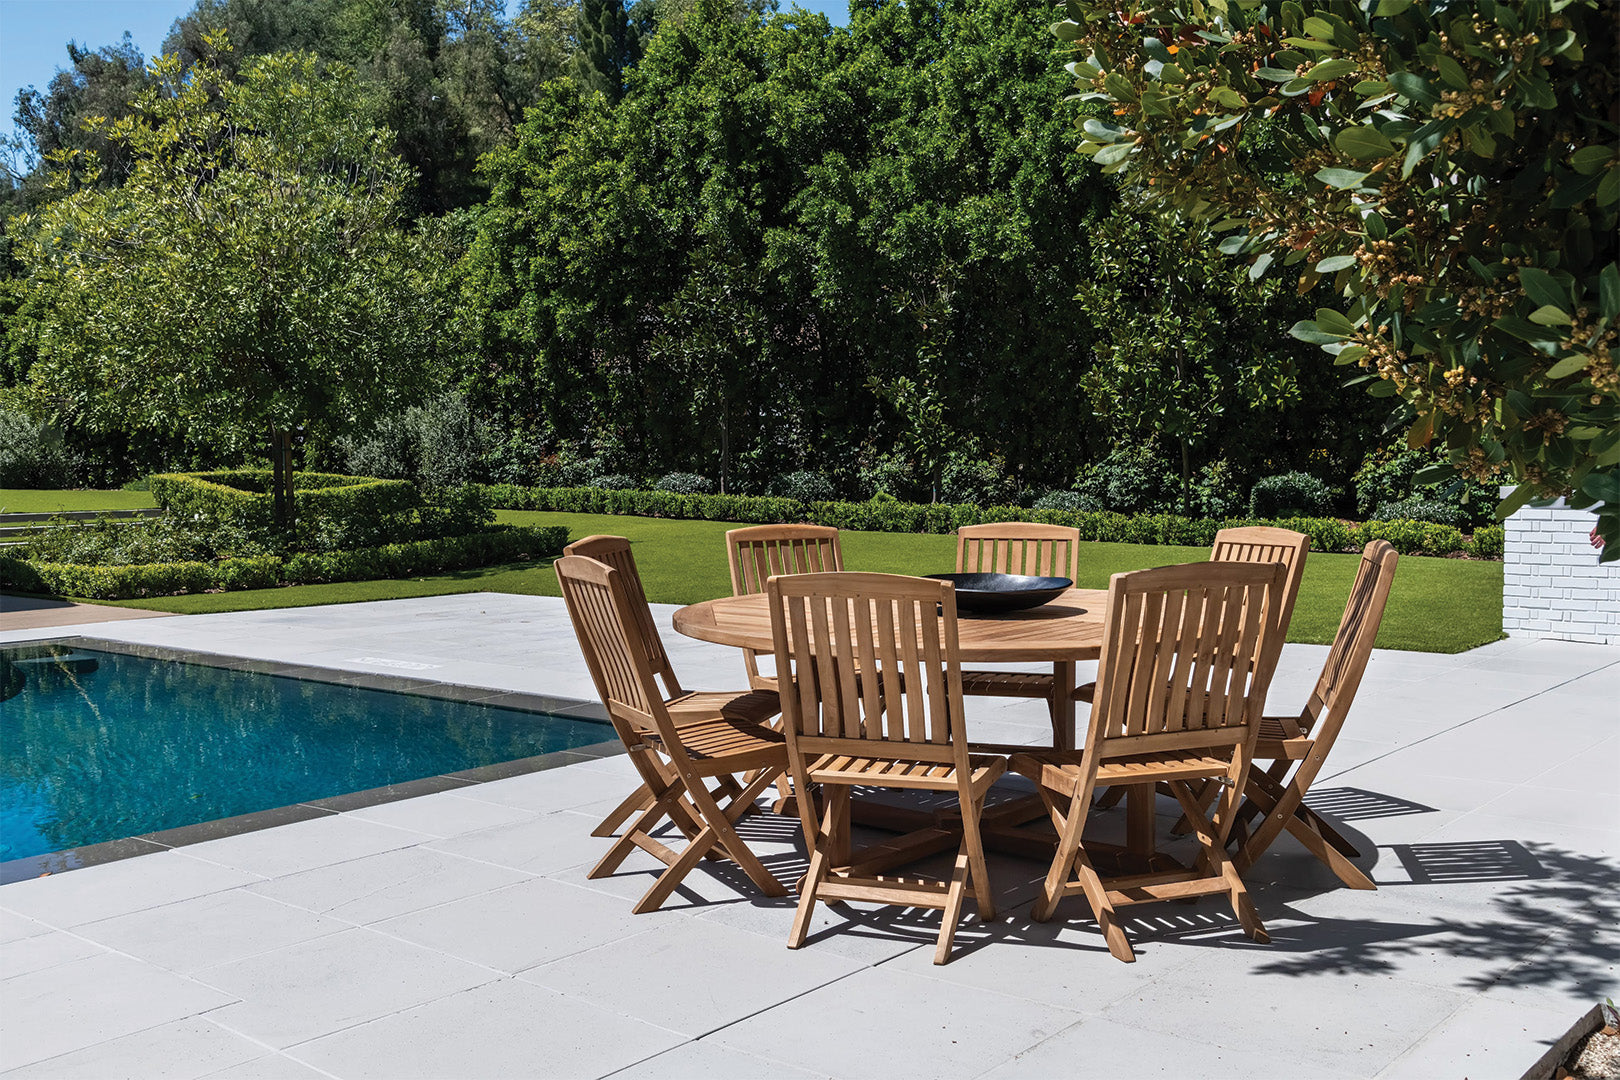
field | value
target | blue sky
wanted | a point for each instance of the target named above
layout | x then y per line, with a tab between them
34	34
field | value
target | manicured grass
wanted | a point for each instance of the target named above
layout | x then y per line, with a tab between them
30	501
1436	605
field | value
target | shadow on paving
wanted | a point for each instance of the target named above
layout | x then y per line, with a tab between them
1549	895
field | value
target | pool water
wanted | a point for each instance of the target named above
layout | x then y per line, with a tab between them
95	746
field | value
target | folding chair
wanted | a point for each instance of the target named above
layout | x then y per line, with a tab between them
761	552
758	706
1036	550
1178	700
1296	747
898	725
674	760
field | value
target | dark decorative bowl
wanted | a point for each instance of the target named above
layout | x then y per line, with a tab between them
989	594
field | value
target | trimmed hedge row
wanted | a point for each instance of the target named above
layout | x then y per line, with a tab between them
268	571
329	506
888	515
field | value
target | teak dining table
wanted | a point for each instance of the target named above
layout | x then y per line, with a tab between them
1063	632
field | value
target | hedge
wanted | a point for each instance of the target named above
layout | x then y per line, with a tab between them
330	507
889	515
268	571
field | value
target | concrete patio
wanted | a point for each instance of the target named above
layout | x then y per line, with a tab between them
455	934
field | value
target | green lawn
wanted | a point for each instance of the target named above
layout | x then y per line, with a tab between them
29	501
1437	605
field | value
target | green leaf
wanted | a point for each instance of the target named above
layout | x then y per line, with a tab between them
1603	486
1102	131
1381	389
1330	69
1387	8
1305	330
1548	315
1451	72
1525	330
1350	354
1334	322
1569	365
1519	496
1274	74
1543	289
1228	98
1314	46
1591	159
1424	140
1414	87
1341	178
1335	263
1609	291
1608	190
1113	153
1068	30
1376	228
1318	28
1261	263
1363	142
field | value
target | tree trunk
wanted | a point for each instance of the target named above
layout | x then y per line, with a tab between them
282	478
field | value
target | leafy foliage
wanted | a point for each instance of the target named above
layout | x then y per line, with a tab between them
1451	169
1289	494
249	273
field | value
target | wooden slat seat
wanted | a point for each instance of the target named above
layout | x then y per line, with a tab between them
900	725
683	705
675	761
1013	684
758	706
1185	665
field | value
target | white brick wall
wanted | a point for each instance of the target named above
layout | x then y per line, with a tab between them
1552	585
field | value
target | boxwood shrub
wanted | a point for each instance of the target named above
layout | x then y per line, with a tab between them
502	544
884	514
333	511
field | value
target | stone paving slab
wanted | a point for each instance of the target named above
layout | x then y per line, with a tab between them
456	934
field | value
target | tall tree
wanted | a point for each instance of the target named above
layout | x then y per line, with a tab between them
609	46
250	273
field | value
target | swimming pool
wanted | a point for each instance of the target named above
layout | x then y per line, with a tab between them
100	742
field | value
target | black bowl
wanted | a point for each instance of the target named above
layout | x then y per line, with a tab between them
991	593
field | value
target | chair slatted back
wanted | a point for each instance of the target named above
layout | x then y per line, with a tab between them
1018	547
615	552
760	552
1175	671
874	665
610	637
1336	687
1263	544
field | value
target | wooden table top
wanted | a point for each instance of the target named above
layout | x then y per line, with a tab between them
1067	629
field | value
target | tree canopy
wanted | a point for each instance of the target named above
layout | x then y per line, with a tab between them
249	273
1450	169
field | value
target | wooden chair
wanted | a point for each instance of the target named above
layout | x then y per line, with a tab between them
1296	746
757	706
761	552
899	725
1020	547
1178	700
675	760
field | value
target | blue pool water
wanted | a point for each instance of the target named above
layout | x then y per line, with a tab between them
96	745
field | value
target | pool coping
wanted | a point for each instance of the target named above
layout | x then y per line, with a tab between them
57	862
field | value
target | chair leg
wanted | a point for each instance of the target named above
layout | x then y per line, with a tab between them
719	822
811	883
952	915
1219	865
677	870
1068	849
636	801
1110	797
664	804
1096	893
973	844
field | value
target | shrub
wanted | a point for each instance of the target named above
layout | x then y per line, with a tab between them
615	482
102	542
1127	481
1389	477
333	511
438	444
804	486
1067	500
32	454
890	476
1413	537
685	483
1417	509
978	481
1290	494
1487	541
389	560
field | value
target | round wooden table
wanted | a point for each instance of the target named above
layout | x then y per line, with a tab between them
1062	633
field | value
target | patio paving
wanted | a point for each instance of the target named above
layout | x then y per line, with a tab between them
455	934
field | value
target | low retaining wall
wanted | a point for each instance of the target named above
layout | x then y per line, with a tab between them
1552	584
